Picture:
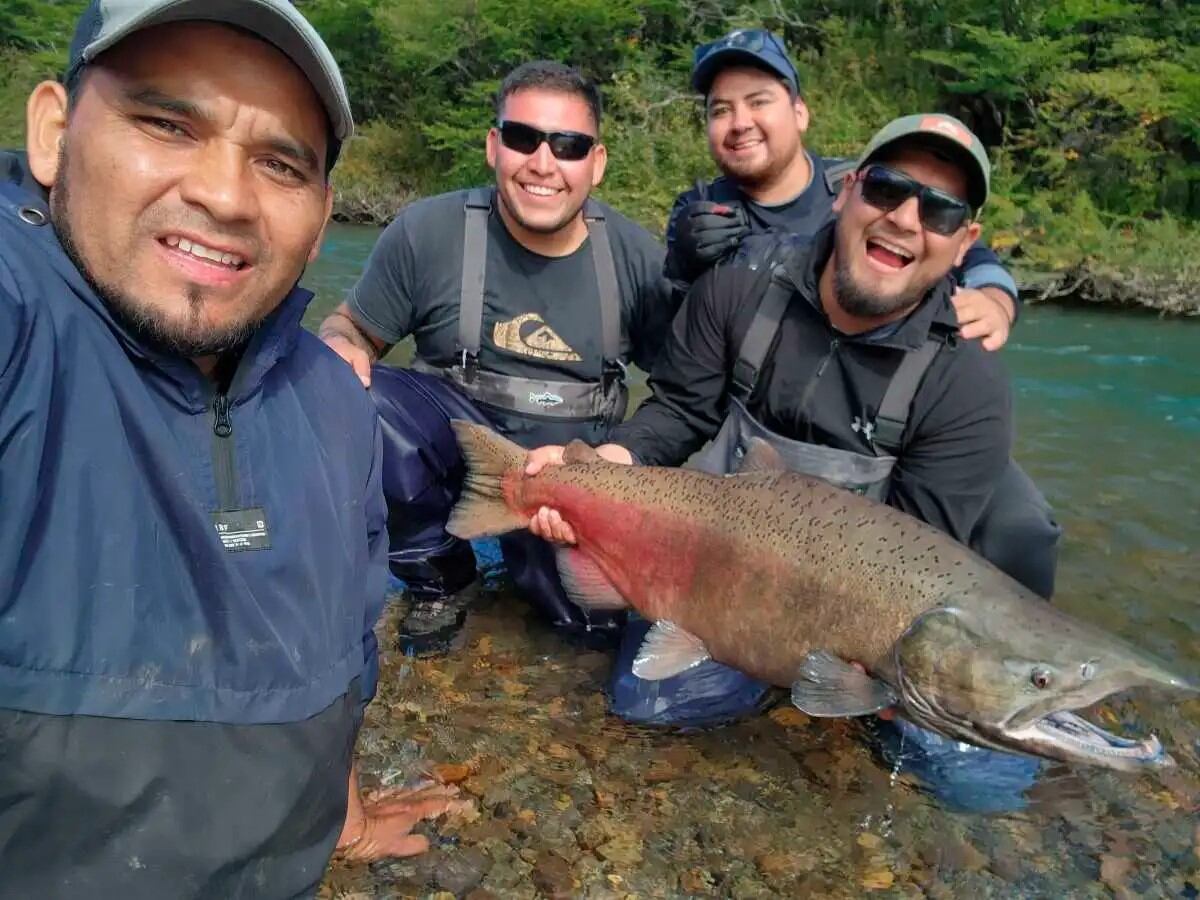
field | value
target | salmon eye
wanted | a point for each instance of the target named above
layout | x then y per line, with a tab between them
1040	678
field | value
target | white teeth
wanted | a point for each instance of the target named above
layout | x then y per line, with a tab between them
899	251
539	190
199	250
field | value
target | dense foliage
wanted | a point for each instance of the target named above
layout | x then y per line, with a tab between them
1091	108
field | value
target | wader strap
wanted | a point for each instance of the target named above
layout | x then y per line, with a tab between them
606	280
758	337
474	265
892	417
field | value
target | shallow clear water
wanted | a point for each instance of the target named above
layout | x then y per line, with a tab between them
575	803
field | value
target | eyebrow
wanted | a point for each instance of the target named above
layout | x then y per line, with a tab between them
295	150
761	92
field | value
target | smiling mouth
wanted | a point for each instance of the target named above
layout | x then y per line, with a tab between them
888	254
231	261
540	190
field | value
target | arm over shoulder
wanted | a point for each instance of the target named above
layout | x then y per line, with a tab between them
691	378
959	440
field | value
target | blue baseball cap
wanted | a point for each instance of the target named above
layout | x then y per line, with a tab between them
746	47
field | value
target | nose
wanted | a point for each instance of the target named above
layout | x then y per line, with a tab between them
219	181
907	215
542	161
742	120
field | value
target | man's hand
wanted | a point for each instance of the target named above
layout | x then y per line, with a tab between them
351	343
706	232
986	313
546	522
359	359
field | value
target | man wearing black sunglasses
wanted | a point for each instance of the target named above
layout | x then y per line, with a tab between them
846	358
527	301
772	185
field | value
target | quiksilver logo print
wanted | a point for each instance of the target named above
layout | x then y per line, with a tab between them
529	335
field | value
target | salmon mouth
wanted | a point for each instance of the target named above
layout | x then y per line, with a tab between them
1067	736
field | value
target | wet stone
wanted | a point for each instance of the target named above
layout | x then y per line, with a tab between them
552	875
461	871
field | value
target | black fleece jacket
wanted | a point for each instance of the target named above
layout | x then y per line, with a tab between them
822	386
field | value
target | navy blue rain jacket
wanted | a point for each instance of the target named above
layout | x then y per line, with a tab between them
117	597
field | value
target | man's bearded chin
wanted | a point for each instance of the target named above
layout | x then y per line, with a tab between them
858	300
189	337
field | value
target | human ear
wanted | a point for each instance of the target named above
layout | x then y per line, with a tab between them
801	110
493	141
45	130
599	163
970	236
847	185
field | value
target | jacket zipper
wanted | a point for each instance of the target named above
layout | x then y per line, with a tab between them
811	388
224	467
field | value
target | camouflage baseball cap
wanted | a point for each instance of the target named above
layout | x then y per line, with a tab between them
942	134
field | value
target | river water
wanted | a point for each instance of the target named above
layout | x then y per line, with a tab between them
573	803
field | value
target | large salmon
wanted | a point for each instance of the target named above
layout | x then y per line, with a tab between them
788	579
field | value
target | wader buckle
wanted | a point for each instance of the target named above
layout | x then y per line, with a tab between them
469	363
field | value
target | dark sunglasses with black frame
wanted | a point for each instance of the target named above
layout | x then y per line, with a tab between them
569	146
887	189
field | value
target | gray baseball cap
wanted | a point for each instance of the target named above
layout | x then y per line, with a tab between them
107	22
941	133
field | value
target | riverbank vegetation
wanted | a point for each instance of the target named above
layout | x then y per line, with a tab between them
1090	108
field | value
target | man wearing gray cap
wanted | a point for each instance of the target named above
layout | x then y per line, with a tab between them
846	358
192	532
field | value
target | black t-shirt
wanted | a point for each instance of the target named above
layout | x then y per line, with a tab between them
541	315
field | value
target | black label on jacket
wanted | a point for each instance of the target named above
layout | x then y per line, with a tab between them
242	529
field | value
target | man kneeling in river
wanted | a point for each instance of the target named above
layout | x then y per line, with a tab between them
844	358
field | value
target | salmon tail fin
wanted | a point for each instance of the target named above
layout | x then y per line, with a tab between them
482	510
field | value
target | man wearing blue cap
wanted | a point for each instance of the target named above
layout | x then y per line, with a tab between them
192	539
756	120
774	193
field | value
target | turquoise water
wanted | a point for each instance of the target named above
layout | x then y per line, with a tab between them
1108	411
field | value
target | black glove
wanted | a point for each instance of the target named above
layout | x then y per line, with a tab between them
705	232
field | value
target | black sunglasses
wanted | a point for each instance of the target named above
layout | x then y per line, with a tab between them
565	145
938	211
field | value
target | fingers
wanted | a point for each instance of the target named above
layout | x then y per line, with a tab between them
549	525
362	368
539	458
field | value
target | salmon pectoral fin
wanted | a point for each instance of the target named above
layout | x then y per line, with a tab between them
586	586
831	687
481	510
667	651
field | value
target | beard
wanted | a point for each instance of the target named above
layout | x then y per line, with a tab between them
189	336
859	300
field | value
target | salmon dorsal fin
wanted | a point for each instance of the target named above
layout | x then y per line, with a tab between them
761	457
579	452
586	586
668	650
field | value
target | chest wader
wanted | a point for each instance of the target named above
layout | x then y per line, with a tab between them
604	399
529	560
712	692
